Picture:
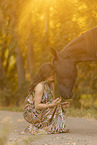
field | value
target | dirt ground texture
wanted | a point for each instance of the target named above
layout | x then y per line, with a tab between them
82	132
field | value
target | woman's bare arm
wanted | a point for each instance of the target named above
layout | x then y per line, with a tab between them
38	97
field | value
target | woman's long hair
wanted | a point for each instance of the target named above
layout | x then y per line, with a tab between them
45	71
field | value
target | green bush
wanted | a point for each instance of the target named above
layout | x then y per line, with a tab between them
11	98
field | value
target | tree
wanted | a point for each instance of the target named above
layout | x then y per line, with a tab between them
2	76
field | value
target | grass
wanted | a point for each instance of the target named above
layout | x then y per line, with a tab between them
83	112
89	112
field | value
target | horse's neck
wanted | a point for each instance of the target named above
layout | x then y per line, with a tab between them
82	48
83	58
80	51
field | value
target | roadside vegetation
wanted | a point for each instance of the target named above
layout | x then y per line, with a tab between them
27	30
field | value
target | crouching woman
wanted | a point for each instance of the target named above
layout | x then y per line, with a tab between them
43	112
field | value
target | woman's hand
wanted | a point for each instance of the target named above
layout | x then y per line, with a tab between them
56	101
65	104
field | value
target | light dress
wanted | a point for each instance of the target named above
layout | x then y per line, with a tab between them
50	120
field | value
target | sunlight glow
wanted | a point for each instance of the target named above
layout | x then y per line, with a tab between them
28	13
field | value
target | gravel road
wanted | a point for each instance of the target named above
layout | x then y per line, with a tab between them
82	132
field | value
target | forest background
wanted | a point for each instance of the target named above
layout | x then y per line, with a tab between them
28	28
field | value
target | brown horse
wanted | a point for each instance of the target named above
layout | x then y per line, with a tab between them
82	48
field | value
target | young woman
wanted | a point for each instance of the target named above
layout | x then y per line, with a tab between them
43	111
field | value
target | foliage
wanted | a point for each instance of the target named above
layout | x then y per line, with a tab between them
30	28
83	112
11	98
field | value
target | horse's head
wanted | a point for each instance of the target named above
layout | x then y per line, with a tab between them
65	73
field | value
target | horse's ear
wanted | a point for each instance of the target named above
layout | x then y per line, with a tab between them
54	52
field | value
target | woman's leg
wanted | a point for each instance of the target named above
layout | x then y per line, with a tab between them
58	123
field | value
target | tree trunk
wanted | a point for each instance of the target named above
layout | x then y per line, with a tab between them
2	76
30	54
20	67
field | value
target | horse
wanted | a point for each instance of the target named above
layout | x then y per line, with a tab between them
82	48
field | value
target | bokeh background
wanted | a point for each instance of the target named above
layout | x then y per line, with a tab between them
28	28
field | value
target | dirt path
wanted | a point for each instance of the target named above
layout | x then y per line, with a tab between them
82	132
